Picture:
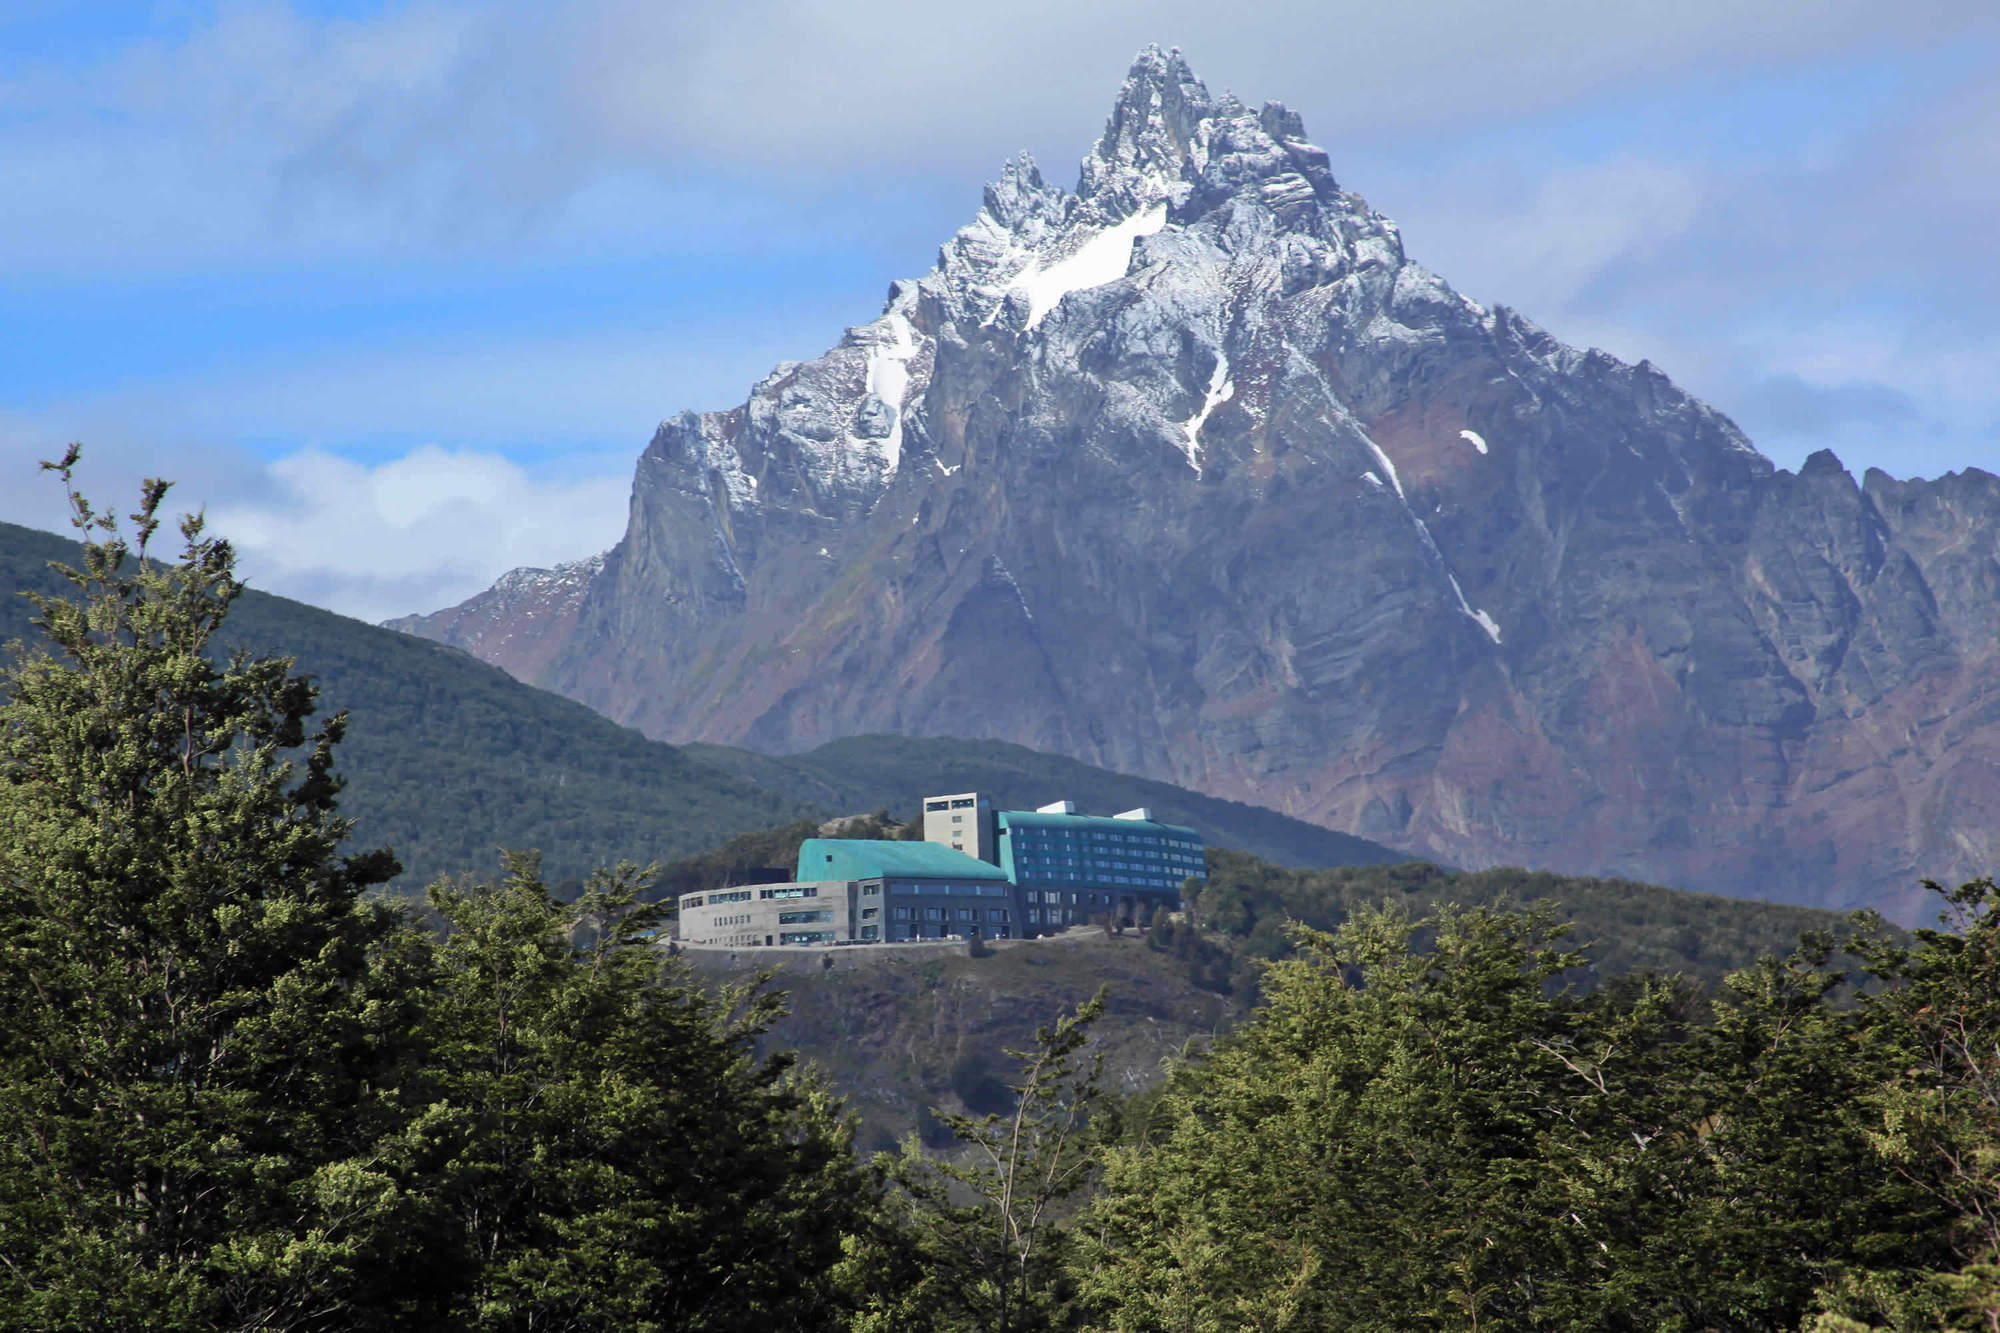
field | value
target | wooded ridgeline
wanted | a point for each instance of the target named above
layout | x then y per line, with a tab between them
238	1090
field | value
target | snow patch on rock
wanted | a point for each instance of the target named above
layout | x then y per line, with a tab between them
1220	390
1101	258
1485	622
1006	576
888	379
1388	467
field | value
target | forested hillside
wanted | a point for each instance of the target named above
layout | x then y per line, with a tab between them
448	760
1244	916
867	772
239	1091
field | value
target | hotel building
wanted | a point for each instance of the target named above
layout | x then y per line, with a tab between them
978	873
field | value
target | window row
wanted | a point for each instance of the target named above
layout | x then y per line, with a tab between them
947	913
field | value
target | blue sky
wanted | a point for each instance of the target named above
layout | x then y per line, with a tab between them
398	290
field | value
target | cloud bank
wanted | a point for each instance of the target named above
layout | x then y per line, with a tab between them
422	530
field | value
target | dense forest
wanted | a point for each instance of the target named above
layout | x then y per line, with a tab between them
1245	915
448	758
240	1090
897	772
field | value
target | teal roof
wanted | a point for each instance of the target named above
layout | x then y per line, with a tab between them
856	858
1039	819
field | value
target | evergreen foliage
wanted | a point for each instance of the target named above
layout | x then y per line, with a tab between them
980	1241
190	1029
608	1151
1934	1122
1242	918
1425	1127
235	1092
449	758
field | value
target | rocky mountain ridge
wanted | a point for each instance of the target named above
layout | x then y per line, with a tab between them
1191	472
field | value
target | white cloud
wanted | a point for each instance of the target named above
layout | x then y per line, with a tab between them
415	533
1540	245
441	124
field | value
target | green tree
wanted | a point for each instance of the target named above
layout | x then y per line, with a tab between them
192	1043
1369	1150
1424	1127
1934	1122
977	1239
1764	1187
609	1151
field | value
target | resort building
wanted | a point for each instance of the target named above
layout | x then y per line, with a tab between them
978	873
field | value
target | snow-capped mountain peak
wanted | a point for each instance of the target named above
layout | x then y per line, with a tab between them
1300	524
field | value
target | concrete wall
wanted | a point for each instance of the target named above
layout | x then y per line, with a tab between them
760	914
850	911
963	822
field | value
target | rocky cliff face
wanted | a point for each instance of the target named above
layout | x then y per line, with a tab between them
1190	472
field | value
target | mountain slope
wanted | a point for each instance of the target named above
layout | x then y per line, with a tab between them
449	759
866	772
1191	472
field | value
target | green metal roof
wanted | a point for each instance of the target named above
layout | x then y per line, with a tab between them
1040	819
856	858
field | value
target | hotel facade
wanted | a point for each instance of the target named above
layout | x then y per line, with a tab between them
978	873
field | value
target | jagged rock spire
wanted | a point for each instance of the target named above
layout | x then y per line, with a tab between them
1168	139
1148	143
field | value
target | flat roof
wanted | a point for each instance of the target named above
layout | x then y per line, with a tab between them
859	858
1037	819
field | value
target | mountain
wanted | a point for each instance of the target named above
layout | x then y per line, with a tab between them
1191	472
867	772
449	759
